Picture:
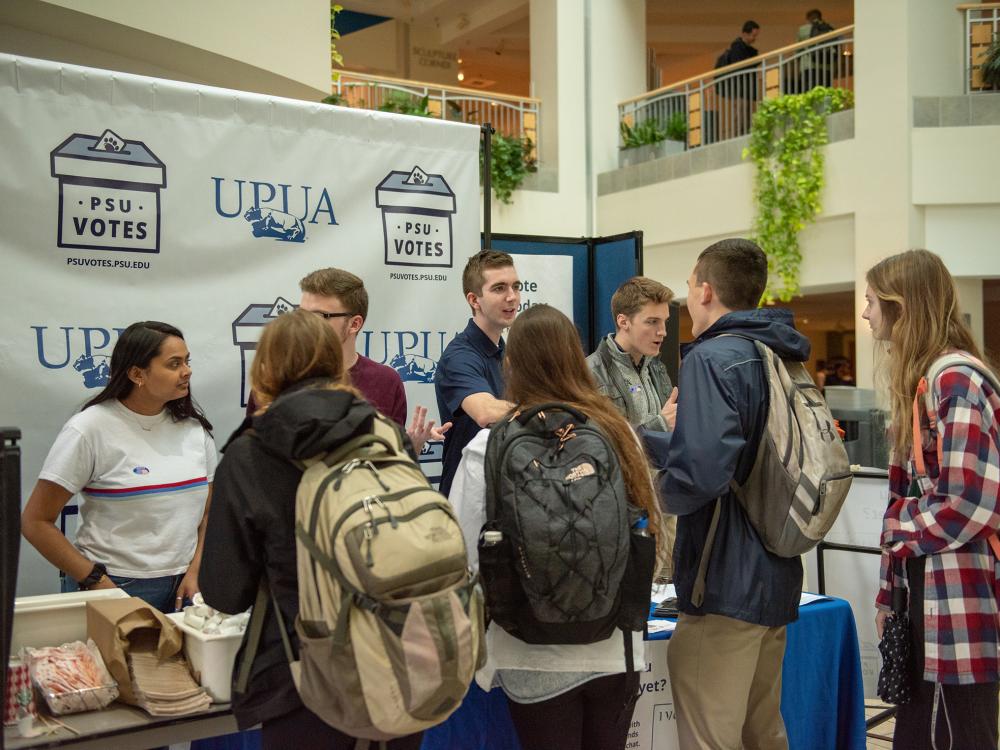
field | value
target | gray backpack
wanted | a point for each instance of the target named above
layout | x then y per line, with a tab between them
801	475
564	567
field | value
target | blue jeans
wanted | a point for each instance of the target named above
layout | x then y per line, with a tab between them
159	592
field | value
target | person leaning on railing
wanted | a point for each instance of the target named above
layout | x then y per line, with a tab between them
740	89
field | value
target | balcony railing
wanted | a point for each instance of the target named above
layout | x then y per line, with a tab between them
718	105
982	25
509	115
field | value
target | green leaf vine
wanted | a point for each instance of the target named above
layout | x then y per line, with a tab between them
786	146
335	57
511	161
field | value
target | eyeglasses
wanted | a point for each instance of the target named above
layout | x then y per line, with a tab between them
330	315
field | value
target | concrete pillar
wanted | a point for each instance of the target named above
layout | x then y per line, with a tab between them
885	221
617	71
970	301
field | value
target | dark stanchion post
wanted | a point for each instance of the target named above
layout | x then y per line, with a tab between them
10	524
487	130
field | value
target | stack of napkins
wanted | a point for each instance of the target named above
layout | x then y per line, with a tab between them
164	687
203	618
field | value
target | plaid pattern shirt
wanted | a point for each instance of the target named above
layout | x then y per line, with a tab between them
950	524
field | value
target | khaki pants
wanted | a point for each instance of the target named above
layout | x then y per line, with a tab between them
725	675
668	527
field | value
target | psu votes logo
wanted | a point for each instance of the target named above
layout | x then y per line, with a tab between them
274	211
416	218
246	333
109	193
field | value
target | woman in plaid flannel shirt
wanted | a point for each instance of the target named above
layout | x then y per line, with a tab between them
940	524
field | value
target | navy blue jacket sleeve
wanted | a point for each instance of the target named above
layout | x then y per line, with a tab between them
707	440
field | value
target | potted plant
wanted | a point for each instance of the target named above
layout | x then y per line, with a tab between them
652	139
990	67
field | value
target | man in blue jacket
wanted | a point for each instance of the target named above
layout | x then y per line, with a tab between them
725	656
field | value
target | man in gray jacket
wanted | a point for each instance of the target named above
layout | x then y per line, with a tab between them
626	364
628	369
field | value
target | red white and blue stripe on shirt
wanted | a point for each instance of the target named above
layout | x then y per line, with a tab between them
149	489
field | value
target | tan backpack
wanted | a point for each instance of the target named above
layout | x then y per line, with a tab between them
801	474
390	621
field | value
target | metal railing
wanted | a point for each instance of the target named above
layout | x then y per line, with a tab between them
982	26
509	115
718	105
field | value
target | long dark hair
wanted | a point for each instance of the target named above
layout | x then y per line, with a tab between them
545	363
136	347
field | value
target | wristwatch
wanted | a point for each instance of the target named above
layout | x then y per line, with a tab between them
93	578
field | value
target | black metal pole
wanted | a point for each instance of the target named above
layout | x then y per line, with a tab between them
487	130
10	523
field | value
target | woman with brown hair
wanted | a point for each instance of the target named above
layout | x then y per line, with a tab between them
569	696
298	374
943	503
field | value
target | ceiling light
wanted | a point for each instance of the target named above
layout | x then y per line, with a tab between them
461	76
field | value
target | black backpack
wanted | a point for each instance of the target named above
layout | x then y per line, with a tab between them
819	27
566	567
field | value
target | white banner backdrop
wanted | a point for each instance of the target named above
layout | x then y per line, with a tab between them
127	198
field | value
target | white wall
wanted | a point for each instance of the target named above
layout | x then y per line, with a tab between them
681	217
955	166
241	45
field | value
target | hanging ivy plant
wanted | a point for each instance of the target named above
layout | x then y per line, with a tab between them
511	160
335	57
786	146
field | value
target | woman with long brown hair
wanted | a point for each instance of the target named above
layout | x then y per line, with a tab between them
298	375
569	696
944	508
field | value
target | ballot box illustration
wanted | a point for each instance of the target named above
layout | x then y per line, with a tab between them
416	218
246	333
109	193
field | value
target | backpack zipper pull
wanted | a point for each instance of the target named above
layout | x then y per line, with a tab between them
392	519
345	470
366	504
371	467
369	534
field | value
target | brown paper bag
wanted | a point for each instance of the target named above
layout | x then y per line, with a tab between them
111	621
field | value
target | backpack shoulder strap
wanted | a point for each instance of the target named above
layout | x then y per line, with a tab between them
925	388
698	592
265	600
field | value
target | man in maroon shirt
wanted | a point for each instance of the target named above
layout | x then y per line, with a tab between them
341	299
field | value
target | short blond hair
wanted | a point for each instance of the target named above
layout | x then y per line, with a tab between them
638	291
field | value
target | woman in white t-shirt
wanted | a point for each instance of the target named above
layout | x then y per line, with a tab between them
141	457
567	696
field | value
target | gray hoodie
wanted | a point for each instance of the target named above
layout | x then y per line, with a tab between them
637	392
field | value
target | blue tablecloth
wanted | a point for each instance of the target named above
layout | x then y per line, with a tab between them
822	698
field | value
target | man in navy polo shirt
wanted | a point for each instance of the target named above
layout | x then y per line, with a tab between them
469	378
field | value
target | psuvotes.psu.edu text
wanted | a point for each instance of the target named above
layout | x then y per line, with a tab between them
141	265
397	276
